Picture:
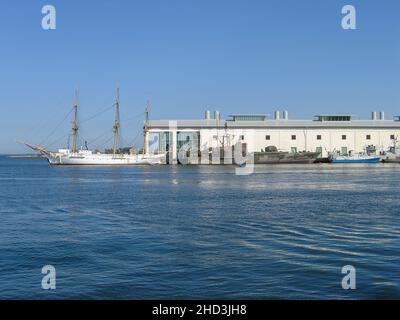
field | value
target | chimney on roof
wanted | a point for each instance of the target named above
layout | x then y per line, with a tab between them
285	115
373	115
216	115
207	115
382	115
277	115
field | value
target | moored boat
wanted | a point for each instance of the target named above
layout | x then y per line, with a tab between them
354	158
272	155
393	154
87	157
75	156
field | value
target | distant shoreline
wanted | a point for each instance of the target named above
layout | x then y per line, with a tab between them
25	156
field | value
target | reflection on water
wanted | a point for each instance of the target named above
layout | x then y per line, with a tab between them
199	231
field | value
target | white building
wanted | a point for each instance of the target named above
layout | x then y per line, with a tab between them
325	133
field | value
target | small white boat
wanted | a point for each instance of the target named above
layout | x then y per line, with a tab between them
393	154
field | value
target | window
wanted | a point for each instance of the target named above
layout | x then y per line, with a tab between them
242	137
392	137
334	118
319	137
267	137
293	137
344	137
293	150
344	151
319	150
249	117
368	137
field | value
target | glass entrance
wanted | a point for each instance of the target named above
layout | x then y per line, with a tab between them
188	145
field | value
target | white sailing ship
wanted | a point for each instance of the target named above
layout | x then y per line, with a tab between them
74	156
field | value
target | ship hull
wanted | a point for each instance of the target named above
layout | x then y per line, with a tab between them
391	160
370	160
104	159
284	157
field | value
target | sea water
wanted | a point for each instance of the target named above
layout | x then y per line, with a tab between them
141	232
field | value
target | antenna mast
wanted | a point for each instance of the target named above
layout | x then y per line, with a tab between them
116	124
75	126
146	128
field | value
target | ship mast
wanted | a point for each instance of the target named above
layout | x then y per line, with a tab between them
75	126
116	124
146	128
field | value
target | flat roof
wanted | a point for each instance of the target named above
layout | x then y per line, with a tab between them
248	115
282	123
334	115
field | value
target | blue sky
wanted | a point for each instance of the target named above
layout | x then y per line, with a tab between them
188	56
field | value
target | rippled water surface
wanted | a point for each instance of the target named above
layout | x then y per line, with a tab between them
199	232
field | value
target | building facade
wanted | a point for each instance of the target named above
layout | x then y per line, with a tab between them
324	134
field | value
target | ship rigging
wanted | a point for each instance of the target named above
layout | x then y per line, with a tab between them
74	156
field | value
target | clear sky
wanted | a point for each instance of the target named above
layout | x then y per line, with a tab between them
187	56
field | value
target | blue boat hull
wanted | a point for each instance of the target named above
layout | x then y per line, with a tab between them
372	160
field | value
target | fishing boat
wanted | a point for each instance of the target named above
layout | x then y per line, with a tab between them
353	158
393	154
271	155
75	156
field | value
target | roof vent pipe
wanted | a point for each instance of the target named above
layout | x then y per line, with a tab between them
382	115
277	115
207	115
285	115
373	115
216	115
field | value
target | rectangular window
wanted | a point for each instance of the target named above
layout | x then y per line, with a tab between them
368	137
241	137
319	150
293	150
344	151
267	137
344	137
293	137
392	137
319	137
